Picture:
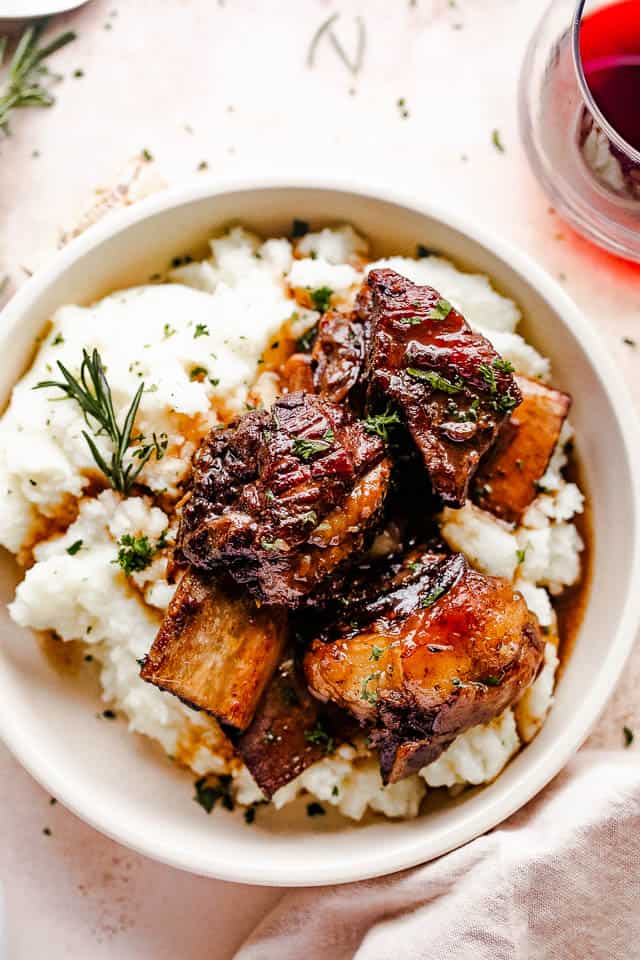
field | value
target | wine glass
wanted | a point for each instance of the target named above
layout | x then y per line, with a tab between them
579	104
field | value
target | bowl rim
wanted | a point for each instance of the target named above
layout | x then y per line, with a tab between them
405	853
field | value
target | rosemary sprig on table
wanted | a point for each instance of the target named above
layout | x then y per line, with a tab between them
24	86
326	28
92	393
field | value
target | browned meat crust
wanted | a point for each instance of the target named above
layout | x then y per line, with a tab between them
282	497
338	354
507	480
286	735
440	649
452	388
216	650
415	648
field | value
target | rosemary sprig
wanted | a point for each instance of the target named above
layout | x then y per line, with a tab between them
92	393
326	28
317	37
24	86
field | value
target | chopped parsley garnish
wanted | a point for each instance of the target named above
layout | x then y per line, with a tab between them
489	377
436	381
376	652
299	228
135	553
214	381
57	340
490	681
412	321
321	298
521	554
309	517
201	330
315	810
334	790
305	342
401	103
503	365
306	449
379	423
496	141
371	696
503	402
320	737
146	155
197	373
430	598
211	790
471	414
629	736
73	549
162	540
440	310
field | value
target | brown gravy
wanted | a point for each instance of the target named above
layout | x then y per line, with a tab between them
65	656
570	606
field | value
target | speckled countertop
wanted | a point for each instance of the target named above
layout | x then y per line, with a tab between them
226	84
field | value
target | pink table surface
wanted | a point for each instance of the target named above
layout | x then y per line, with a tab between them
226	83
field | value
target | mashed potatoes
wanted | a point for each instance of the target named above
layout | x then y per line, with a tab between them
196	344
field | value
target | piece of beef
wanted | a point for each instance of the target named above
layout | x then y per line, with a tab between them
296	374
451	387
339	354
286	735
216	649
281	498
507	479
433	649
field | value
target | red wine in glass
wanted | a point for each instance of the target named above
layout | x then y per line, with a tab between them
580	117
610	52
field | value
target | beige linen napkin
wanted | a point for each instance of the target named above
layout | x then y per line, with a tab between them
560	880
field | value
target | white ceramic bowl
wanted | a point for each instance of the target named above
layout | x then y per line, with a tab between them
123	786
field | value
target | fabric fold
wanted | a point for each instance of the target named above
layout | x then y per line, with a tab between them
559	880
